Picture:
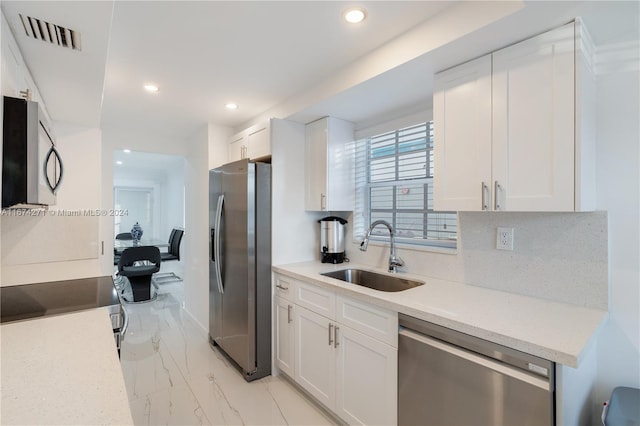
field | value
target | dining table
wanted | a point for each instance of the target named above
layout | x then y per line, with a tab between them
121	245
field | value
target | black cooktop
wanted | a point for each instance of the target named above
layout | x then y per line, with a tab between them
56	297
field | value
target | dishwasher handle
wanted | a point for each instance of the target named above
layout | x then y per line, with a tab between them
478	359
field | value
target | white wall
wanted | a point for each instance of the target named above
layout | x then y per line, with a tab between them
618	180
168	202
196	237
81	189
294	230
218	145
174	203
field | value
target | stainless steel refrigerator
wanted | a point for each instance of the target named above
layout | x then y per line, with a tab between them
240	264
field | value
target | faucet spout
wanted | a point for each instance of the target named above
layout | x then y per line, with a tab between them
394	260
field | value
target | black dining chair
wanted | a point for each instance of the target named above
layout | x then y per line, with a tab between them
139	264
173	253
124	236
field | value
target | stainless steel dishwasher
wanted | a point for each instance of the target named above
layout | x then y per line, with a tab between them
449	378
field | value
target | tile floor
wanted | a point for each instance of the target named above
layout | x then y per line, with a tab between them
174	377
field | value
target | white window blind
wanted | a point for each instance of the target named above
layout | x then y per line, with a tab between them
394	182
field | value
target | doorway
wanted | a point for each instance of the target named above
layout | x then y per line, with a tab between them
148	188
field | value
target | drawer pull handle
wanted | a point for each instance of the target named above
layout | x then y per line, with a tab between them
282	287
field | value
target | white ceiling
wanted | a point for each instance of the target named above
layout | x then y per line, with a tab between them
151	165
263	54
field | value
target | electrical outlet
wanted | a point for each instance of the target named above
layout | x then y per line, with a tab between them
504	239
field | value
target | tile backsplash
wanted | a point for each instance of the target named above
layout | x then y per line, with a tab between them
556	256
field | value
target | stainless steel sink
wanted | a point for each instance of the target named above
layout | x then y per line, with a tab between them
373	280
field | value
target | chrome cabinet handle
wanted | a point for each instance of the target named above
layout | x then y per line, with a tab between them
496	191
335	337
282	287
323	201
484	190
289	314
330	334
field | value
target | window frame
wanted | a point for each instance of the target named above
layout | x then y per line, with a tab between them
364	214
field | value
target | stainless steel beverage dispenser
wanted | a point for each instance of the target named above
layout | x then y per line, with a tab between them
332	231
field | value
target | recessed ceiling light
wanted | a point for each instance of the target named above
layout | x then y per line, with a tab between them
355	15
119	163
231	106
152	88
126	151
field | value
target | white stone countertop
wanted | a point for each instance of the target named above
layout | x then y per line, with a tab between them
62	369
551	330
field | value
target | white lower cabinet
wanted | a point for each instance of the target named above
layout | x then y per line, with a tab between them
367	379
284	335
350	367
315	356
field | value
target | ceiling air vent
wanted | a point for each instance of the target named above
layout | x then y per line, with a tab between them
51	33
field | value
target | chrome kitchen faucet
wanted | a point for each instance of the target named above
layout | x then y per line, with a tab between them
394	260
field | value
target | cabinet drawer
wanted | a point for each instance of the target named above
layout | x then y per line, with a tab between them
371	320
315	298
284	286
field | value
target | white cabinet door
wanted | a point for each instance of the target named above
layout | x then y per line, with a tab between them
11	64
367	379
316	165
462	137
315	360
259	142
284	329
527	111
329	155
236	148
533	123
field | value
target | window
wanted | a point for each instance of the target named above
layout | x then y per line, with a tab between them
394	178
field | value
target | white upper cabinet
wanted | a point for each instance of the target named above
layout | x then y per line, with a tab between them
253	143
329	154
533	124
462	130
236	148
505	129
259	141
16	78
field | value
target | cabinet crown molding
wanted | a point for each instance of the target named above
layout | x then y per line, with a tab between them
617	57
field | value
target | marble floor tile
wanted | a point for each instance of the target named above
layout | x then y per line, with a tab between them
173	376
174	406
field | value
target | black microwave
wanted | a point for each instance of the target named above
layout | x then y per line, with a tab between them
31	165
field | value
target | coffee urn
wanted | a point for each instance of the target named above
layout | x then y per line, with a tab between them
332	231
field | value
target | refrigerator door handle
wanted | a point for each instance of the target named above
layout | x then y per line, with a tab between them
216	243
213	247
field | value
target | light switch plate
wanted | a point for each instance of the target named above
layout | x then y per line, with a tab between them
504	239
